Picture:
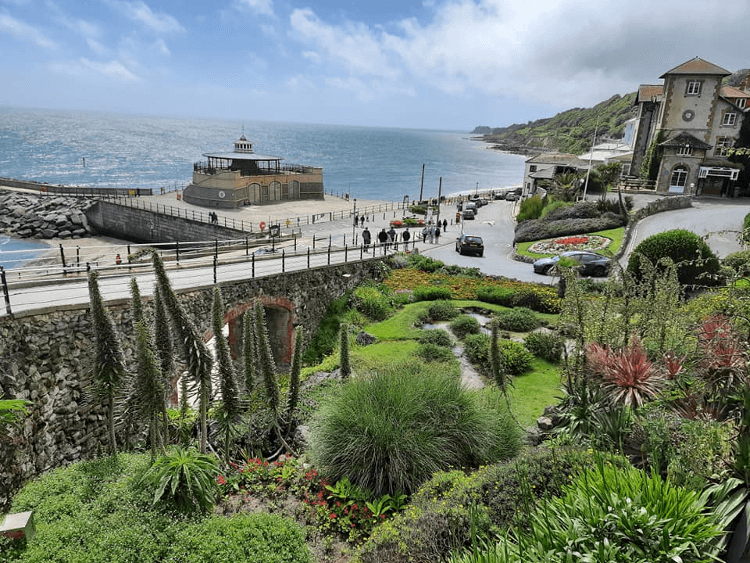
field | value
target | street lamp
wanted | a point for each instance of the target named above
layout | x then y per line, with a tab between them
354	222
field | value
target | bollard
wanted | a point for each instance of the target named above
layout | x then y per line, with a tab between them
253	265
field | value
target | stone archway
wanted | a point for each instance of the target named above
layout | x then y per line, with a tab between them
280	319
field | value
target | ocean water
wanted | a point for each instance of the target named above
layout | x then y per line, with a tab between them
129	151
14	252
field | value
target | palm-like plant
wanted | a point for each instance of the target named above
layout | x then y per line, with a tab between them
185	478
109	364
627	376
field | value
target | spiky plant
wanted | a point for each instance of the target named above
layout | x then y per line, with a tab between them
109	363
344	364
230	407
148	387
250	352
199	359
136	305
498	371
293	395
165	353
267	364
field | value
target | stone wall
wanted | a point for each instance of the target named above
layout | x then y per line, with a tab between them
76	191
26	215
46	358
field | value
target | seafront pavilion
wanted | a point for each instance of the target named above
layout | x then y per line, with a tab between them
234	179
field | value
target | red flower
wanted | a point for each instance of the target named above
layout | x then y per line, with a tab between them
220	480
332	516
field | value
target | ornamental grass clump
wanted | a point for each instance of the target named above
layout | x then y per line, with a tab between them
390	431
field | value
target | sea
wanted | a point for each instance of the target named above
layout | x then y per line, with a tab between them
112	150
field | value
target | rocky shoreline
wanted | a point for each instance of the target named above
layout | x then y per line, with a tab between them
27	215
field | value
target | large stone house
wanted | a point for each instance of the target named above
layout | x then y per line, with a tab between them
690	121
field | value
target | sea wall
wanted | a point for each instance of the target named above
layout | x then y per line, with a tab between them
27	215
47	358
75	191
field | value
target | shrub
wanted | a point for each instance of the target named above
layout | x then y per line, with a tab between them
610	514
540	229
514	357
326	337
424	263
438	337
370	301
390	431
185	479
580	210
739	262
477	349
545	345
554	206
538	298
431	293
465	324
519	319
442	310
531	208
696	263
440	518
497	295
251	538
434	353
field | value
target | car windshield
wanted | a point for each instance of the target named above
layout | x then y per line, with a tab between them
472	239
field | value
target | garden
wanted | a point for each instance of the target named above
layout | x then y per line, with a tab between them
372	448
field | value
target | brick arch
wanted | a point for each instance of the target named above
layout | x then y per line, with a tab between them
280	320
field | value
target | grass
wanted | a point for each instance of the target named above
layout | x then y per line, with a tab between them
532	392
615	234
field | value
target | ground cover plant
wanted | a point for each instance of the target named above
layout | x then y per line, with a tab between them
614	235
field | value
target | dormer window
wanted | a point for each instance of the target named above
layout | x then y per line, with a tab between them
730	119
686	150
741	102
693	88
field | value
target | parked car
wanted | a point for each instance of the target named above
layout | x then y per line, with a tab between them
591	263
471	205
498	195
511	196
468	214
470	244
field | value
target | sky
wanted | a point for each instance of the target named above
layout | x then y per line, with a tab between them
432	64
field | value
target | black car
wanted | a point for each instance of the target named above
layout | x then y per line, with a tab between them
591	263
470	244
468	214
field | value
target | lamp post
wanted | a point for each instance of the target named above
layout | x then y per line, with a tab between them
354	221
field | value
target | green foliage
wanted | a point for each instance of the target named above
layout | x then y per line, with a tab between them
696	263
184	479
514	358
432	423
465	324
542	299
250	538
739	262
345	365
436	336
163	341
424	263
434	353
267	364
531	208
477	350
371	302
326	338
442	311
652	159
294	378
431	293
498	295
610	514
554	205
519	319
440	516
11	410
545	345
147	388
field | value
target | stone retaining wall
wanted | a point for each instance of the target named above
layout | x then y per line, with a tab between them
46	359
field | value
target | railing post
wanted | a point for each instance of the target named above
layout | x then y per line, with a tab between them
329	243
329	254
78	257
177	252
215	260
295	240
62	255
308	257
313	242
253	262
282	261
346	252
247	247
6	293
361	251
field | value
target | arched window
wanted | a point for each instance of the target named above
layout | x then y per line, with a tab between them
679	179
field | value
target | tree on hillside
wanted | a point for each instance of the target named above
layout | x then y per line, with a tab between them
109	364
197	355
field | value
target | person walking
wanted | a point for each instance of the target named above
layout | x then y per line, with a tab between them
445	225
391	237
362	221
405	237
382	238
366	238
437	235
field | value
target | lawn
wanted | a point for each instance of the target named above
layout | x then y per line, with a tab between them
615	234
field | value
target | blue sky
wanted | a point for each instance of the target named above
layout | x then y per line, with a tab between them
434	64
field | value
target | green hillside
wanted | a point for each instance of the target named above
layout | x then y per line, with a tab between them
570	131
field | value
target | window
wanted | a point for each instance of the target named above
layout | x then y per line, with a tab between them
685	150
678	180
730	118
741	102
693	88
722	145
532	167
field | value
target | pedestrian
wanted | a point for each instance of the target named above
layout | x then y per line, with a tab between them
356	220
424	234
445	225
382	237
437	234
362	221
405	237
118	260
391	236
366	238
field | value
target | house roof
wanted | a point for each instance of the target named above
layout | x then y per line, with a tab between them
732	92
647	92
558	158
685	140
697	66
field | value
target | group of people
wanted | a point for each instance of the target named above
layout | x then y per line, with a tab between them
359	221
213	217
390	239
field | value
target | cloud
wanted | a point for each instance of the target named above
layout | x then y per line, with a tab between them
561	53
140	12
21	30
83	68
261	7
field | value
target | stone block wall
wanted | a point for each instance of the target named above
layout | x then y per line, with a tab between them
47	358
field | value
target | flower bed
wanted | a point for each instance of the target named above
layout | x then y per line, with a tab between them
577	242
407	222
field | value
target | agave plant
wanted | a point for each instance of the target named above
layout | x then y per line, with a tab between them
626	375
723	356
185	478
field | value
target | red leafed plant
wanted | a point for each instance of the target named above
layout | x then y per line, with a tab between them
626	375
723	357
